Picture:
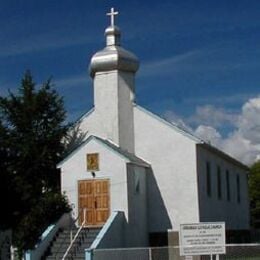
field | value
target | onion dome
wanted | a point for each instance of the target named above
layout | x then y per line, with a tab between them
113	56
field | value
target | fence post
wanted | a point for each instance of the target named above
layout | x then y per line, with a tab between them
89	254
150	253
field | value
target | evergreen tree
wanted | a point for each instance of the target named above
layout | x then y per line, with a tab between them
32	125
6	185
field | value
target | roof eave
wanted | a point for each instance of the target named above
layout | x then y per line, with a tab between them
223	155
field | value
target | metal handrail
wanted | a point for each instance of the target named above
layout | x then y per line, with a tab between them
75	237
72	223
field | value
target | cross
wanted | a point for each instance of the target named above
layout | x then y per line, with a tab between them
112	15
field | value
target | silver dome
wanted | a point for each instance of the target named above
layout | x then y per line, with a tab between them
113	57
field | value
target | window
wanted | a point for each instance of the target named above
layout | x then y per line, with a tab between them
137	183
219	187
238	189
228	185
208	178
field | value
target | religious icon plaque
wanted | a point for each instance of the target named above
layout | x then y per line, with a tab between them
93	162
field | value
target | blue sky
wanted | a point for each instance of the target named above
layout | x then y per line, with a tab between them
200	60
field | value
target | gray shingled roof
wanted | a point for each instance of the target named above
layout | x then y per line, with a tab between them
129	156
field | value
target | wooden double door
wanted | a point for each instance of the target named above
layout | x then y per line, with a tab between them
93	196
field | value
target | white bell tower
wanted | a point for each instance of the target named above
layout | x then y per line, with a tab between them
113	71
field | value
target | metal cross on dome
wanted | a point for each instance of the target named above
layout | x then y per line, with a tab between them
112	15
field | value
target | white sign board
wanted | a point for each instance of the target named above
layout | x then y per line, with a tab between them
206	238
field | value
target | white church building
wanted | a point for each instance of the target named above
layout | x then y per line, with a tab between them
133	162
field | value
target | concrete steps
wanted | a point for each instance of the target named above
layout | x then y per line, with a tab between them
62	241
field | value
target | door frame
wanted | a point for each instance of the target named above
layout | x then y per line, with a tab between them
78	198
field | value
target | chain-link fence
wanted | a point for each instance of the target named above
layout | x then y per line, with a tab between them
234	251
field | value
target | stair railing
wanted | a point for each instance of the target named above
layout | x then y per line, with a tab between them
72	224
76	235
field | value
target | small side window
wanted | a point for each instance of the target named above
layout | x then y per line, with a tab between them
137	184
208	178
219	183
238	189
228	184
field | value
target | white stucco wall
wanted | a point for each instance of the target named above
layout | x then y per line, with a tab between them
127	186
172	184
113	97
112	167
125	108
235	214
106	103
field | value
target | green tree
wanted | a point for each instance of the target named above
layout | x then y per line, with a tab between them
32	125
6	185
254	191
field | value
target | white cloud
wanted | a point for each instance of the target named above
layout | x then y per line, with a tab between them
208	134
213	116
168	65
244	142
249	121
176	120
240	148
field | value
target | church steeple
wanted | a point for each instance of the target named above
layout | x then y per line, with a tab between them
113	71
113	56
112	15
112	32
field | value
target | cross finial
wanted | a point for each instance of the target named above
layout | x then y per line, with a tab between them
112	15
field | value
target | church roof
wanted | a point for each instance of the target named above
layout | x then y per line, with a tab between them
172	125
176	127
113	58
199	141
115	148
130	156
222	154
